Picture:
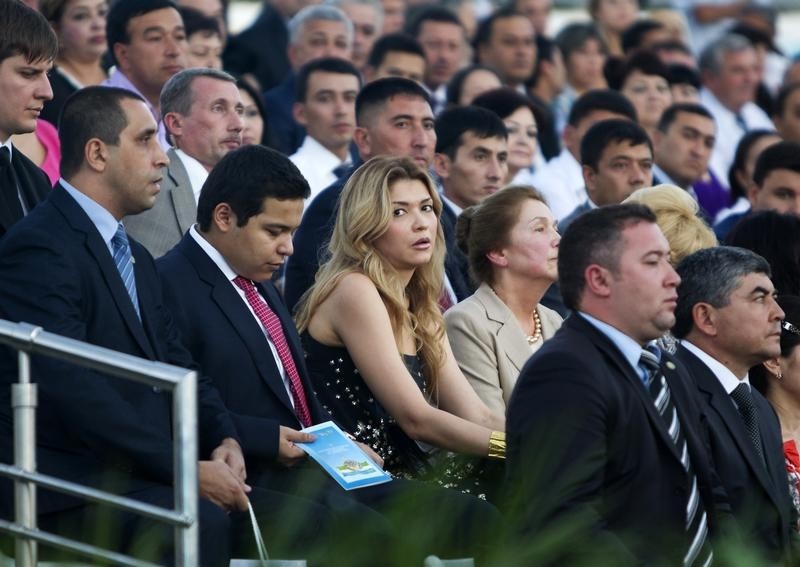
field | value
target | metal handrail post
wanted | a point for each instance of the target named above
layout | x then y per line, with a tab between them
186	494
23	400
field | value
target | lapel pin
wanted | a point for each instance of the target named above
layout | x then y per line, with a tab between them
133	260
670	365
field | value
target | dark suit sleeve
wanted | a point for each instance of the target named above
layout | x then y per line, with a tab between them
40	284
557	441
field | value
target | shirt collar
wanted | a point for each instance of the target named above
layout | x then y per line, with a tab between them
195	170
10	146
323	157
213	254
103	220
727	378
630	349
453	207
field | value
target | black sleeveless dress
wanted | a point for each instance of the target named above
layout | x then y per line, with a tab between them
343	392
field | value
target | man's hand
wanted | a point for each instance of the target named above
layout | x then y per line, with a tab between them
219	484
290	454
230	453
370	453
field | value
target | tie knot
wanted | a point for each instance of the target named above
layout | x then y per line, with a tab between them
120	237
243	283
650	358
743	396
5	156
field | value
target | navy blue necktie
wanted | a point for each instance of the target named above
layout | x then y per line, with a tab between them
123	259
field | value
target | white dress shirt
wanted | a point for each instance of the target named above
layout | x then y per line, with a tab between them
195	170
316	163
560	181
729	132
229	274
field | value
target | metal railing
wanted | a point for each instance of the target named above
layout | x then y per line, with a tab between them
28	340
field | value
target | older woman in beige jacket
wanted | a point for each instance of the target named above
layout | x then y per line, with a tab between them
512	245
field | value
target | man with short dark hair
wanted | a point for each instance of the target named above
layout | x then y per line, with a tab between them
203	113
28	47
603	432
396	55
472	163
560	180
616	159
506	42
442	37
326	108
147	43
786	113
728	321
393	117
776	185
314	32
683	144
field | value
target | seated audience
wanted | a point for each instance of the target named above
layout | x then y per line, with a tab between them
204	37
519	115
81	29
506	42
612	18
684	83
374	338
254	123
728	321
777	379
367	18
469	83
512	245
396	55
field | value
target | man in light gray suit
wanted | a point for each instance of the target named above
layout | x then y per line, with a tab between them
202	111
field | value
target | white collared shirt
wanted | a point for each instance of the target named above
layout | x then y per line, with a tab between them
221	263
195	170
316	163
729	133
727	378
560	181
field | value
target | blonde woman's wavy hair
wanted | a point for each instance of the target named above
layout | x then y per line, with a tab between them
677	215
364	214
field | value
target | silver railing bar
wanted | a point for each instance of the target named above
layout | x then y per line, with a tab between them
95	495
70	545
29	339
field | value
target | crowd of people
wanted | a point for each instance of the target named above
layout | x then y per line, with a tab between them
548	279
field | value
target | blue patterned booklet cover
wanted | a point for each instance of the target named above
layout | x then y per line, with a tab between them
342	458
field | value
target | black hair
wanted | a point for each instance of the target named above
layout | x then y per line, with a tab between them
783	98
504	101
92	112
678	74
195	21
391	43
634	35
483	33
595	237
377	93
122	12
326	65
453	123
26	32
646	62
600	99
783	155
740	160
456	84
244	178
430	14
671	113
574	36
605	132
546	50
248	87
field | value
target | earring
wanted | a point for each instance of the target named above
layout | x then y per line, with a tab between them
780	376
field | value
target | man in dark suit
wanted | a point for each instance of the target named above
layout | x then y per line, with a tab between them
28	47
240	332
393	117
728	321
101	287
603	433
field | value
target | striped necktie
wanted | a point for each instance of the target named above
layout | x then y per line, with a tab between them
121	250
699	552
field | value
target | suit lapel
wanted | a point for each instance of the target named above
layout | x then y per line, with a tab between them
516	348
629	374
720	401
182	196
236	312
78	220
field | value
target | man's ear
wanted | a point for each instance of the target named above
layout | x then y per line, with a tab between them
598	280
442	165
704	319
363	142
223	218
121	55
96	155
299	113
173	123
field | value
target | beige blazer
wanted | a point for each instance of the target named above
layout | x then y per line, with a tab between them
489	345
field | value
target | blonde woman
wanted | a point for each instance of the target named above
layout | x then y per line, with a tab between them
512	245
375	344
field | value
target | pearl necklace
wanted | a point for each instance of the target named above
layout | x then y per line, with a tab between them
537	328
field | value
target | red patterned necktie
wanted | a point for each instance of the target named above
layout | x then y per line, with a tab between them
273	326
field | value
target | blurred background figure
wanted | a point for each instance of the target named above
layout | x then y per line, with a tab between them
204	37
469	83
367	18
253	120
612	18
396	55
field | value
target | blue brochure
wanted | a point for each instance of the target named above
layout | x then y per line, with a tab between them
342	458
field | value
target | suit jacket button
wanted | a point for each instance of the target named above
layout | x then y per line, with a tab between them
156	390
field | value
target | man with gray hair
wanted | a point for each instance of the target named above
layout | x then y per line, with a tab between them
728	321
729	70
314	32
367	18
202	111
